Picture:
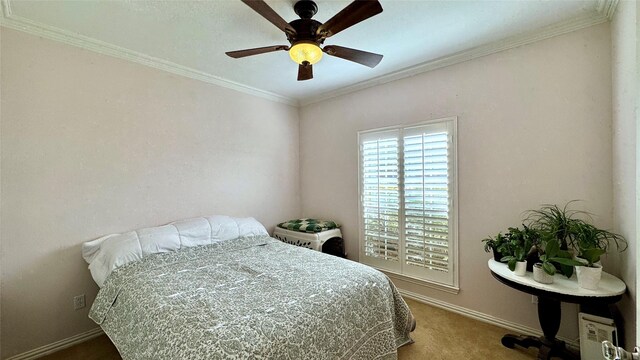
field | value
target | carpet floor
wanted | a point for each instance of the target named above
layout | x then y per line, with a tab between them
439	335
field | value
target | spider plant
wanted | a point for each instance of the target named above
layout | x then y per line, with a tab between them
556	221
587	236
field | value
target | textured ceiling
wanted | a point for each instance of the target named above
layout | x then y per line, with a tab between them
195	34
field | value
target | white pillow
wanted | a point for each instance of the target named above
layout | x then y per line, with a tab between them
159	239
223	228
112	251
193	232
250	227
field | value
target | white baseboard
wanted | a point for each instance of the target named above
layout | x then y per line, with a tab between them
58	345
476	315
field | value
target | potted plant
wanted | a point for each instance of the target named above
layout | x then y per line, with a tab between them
503	245
551	256
520	249
517	262
555	221
534	237
573	231
589	273
592	243
540	275
559	238
492	244
588	237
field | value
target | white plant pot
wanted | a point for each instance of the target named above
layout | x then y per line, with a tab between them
585	261
589	277
540	276
521	268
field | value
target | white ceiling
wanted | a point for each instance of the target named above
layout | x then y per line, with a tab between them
192	36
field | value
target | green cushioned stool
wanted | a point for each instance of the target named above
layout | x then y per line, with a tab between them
307	225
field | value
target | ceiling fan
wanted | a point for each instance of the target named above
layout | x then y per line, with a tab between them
306	35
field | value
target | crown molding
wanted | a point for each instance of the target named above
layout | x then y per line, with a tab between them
6	8
607	7
599	17
19	23
604	12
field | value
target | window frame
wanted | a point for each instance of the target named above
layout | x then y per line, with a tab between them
396	272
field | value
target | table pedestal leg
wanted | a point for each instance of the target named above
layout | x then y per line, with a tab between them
549	315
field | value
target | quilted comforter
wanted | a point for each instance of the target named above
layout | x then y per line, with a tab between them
251	298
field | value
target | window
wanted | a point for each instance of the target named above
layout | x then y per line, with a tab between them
407	201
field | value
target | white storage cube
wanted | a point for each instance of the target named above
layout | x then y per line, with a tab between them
312	241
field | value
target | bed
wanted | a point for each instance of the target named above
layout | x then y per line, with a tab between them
221	288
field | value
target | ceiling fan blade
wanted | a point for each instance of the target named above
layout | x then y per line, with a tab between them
248	52
305	71
354	13
268	13
357	56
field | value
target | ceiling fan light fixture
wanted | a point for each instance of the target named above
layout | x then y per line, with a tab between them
306	35
305	51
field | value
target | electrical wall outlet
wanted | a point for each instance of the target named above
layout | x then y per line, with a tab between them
78	302
534	299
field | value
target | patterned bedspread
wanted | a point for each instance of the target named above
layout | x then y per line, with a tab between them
251	298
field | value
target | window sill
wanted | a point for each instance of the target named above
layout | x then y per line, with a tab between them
426	283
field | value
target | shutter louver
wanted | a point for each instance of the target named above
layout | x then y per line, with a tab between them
426	200
381	198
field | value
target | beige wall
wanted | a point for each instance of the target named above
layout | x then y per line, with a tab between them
624	94
93	145
534	126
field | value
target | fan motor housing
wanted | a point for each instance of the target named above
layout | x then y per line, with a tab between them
306	30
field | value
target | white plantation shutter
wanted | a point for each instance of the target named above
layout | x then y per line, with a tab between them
427	201
407	187
380	197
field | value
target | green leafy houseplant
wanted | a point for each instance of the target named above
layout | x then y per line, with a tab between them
553	254
591	256
511	239
518	245
518	255
494	243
